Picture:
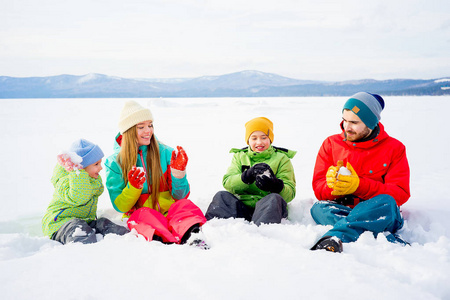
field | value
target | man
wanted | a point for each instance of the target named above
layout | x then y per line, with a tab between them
368	198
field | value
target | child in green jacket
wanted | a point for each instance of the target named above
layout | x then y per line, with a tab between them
260	180
71	215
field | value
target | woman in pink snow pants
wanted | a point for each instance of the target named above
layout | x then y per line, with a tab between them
157	206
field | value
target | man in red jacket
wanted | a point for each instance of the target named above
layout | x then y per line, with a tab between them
365	194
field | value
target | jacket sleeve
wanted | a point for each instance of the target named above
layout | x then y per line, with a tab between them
396	180
323	161
232	181
123	197
286	174
76	188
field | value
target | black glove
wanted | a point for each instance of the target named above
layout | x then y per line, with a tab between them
269	183
249	176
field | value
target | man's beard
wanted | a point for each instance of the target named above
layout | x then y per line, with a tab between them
356	137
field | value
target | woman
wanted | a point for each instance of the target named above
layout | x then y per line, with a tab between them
147	181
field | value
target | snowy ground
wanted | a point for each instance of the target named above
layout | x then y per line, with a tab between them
245	261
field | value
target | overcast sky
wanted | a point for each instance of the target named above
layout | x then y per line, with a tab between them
319	40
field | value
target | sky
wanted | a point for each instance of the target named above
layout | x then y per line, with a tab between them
311	40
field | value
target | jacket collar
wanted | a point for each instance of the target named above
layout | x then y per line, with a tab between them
382	135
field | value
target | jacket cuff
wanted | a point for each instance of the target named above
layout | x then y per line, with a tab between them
128	198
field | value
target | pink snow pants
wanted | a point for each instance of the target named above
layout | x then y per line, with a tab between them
182	215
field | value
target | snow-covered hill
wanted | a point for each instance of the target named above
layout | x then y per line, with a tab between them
239	84
245	261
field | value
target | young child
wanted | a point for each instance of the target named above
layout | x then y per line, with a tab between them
71	215
260	180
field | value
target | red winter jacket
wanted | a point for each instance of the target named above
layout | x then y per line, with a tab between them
381	165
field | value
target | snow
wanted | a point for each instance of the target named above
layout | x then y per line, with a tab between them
79	232
88	77
344	171
266	173
245	261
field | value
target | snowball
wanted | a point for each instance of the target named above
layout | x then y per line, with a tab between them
344	171
266	173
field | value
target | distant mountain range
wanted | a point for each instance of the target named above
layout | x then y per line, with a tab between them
240	84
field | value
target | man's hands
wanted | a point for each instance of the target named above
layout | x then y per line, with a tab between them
136	177
332	174
342	184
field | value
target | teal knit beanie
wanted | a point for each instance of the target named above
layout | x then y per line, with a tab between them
367	107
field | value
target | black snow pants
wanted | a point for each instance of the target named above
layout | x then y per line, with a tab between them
270	209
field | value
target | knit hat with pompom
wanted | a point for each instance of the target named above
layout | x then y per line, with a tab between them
87	151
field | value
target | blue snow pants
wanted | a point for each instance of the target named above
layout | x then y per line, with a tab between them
378	214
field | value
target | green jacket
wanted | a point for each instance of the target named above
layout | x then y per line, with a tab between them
76	196
279	161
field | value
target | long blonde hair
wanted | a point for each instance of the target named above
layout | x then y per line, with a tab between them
128	157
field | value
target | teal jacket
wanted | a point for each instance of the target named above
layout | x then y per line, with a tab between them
279	161
76	196
125	198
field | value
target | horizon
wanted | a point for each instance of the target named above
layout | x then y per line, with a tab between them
237	72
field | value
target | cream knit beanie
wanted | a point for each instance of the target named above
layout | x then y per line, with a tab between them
132	114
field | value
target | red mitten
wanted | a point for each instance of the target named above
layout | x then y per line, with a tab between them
179	160
136	177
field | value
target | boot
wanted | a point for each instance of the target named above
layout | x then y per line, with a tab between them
329	243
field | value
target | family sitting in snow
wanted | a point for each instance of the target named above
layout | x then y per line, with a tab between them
361	178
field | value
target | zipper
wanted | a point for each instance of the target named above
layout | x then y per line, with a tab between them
147	179
56	217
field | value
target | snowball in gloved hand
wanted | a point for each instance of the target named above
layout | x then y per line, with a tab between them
344	171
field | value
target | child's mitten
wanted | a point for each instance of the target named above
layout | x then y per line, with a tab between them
269	183
249	175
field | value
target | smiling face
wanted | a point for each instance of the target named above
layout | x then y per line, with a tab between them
144	133
94	169
354	128
259	141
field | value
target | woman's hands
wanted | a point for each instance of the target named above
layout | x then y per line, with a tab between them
136	177
178	162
